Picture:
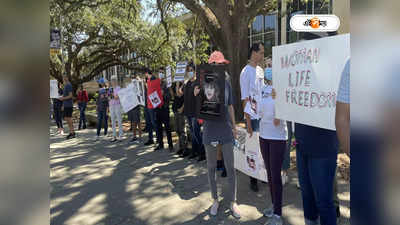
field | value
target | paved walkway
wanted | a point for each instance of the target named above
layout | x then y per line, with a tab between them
129	184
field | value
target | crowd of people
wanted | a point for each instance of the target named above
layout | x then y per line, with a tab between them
213	141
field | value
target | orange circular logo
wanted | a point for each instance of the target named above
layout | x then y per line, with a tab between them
314	23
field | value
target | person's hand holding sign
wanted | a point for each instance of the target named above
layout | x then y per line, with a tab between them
196	90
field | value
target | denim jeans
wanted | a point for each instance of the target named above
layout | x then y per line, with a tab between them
152	122
102	117
197	136
82	116
286	160
316	177
58	116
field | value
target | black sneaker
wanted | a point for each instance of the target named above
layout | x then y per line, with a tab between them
179	152
201	158
254	186
337	212
171	148
150	142
133	139
159	148
69	136
184	154
84	127
223	174
113	140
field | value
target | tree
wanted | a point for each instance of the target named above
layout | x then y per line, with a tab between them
226	22
100	34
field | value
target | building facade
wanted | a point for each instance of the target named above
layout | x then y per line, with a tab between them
273	28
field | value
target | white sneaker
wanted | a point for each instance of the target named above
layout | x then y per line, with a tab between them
269	212
235	211
285	179
214	208
97	138
275	220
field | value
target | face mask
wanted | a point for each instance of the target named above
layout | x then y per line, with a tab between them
190	74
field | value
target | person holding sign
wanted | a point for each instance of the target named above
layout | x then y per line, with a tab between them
316	157
251	81
82	103
57	108
162	115
273	136
220	133
68	106
115	109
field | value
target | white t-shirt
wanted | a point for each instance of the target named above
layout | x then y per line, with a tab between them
267	113
251	80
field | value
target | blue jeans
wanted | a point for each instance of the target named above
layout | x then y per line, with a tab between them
197	136
82	117
316	177
151	123
286	160
102	116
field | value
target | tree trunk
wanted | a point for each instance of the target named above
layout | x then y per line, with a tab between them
236	53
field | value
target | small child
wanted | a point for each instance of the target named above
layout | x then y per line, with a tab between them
102	109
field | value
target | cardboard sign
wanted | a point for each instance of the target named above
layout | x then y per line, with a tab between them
155	99
169	76
54	89
247	155
128	98
180	71
306	78
212	94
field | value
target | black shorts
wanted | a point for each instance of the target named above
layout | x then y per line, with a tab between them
68	112
134	115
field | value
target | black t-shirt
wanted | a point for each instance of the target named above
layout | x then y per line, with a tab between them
178	101
190	101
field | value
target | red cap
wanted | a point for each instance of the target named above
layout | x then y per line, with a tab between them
217	57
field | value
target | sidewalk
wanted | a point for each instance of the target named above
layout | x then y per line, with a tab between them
129	184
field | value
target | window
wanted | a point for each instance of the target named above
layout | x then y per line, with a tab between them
257	27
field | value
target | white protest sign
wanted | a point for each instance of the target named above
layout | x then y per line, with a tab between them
169	76
54	89
141	93
306	78
247	155
127	98
180	71
155	99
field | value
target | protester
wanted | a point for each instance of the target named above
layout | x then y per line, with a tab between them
162	116
67	100
151	123
83	99
134	118
57	109
316	156
273	136
190	104
115	109
221	133
177	108
102	111
251	81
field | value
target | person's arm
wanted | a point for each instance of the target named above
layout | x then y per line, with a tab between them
244	91
232	114
69	96
342	121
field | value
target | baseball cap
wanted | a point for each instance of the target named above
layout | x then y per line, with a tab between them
217	57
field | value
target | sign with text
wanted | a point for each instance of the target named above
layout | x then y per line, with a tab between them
169	76
180	71
54	89
128	98
306	78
